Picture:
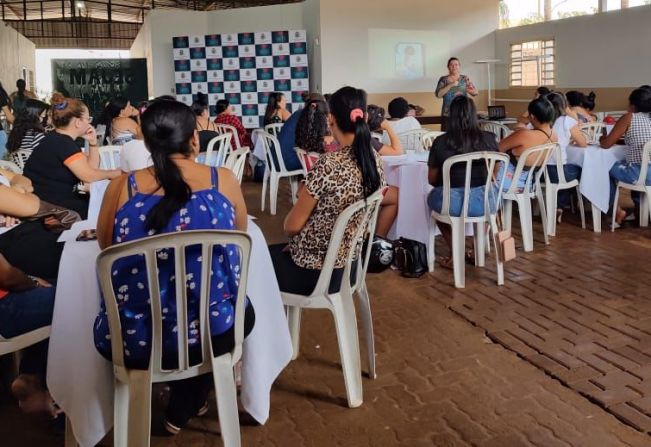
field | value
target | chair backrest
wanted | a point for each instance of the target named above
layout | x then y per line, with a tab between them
429	138
273	129
149	247
534	157
411	140
377	135
306	158
100	130
236	161
491	196
109	157
369	209
10	166
617	114
216	157
592	131
221	129
498	129
271	150
20	157
646	157
10	345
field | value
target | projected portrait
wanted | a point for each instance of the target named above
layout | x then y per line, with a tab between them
409	60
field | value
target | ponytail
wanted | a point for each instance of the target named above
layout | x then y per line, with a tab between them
177	192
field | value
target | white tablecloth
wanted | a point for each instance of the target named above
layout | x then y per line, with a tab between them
595	163
81	381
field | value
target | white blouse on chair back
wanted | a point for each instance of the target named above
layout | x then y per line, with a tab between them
562	128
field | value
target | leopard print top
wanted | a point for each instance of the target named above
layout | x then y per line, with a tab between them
335	182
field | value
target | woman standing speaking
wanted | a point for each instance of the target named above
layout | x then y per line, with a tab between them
452	85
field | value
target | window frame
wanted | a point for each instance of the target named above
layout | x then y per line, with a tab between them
543	41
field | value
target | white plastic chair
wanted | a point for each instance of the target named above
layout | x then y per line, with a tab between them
10	166
341	304
216	157
273	129
412	140
592	131
551	194
639	186
275	170
20	158
306	158
109	157
534	159
221	129
429	137
236	161
498	129
377	135
132	398
458	223
100	130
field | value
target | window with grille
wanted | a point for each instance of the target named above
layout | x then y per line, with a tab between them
532	63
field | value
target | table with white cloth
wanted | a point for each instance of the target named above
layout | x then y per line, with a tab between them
81	380
595	164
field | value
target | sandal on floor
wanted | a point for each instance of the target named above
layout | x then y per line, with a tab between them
446	262
470	257
203	410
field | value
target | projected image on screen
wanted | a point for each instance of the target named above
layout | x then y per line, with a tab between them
409	60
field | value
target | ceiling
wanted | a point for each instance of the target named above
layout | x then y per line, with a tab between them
98	23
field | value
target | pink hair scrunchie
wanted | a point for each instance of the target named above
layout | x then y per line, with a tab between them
356	113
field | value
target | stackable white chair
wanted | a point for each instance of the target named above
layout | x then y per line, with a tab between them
498	129
592	131
551	194
20	158
226	128
429	137
236	160
100	130
617	114
275	170
10	166
109	157
273	129
492	195
218	150
535	157
639	186
306	158
377	135
341	303
412	140
133	387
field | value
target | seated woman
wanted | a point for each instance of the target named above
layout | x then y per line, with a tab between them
523	120
176	194
276	111
57	164
225	115
541	117
205	128
337	180
122	121
26	302
577	103
28	131
400	120
312	132
378	123
567	131
635	127
463	136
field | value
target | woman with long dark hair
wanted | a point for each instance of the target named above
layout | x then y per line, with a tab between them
175	194
28	130
122	121
312	132
463	136
337	180
276	111
225	115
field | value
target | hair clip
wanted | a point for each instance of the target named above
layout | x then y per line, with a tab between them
60	106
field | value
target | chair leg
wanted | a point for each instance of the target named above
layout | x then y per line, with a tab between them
543	216
644	210
458	253
367	322
507	206
265	179
120	414
294	322
273	193
226	394
343	310
139	408
615	204
69	440
480	244
294	188
431	246
526	226
499	264
551	194
579	199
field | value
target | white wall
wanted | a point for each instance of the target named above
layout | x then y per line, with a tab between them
603	50
16	52
155	38
358	40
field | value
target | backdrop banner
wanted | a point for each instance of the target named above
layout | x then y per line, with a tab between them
95	81
243	68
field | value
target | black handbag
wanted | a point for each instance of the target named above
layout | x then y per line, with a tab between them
410	257
381	256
